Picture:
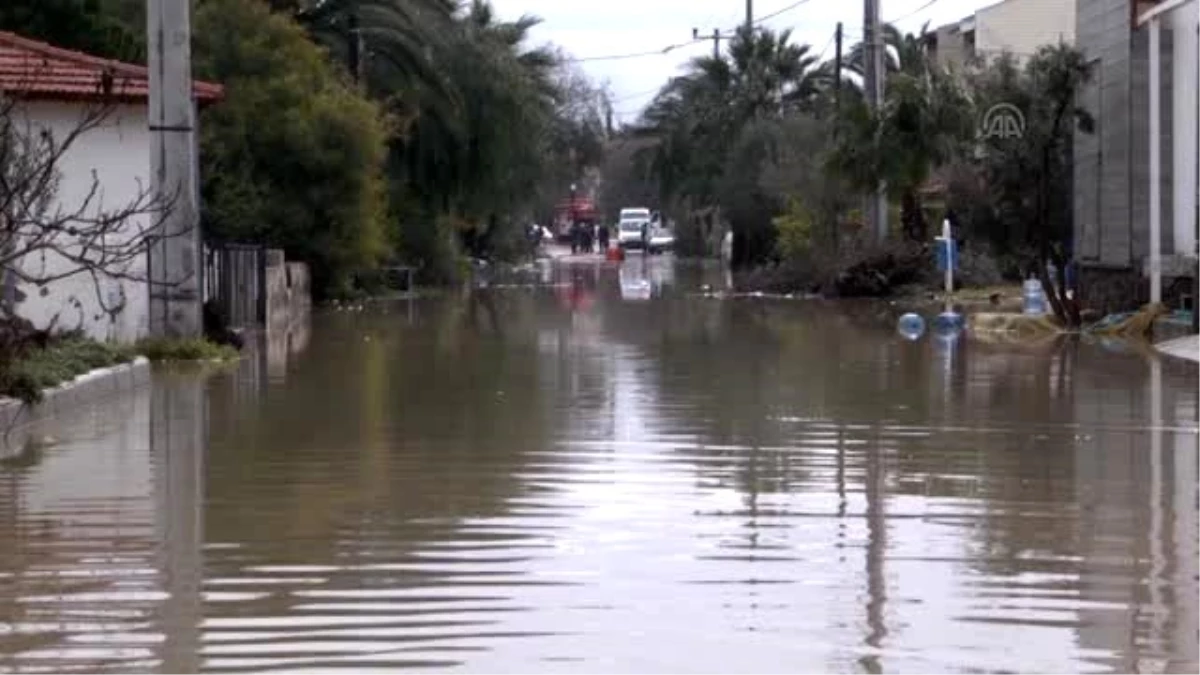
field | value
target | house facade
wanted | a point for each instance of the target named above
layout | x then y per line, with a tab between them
1113	168
1016	27
56	94
1020	27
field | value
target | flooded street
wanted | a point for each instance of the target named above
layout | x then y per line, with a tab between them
604	471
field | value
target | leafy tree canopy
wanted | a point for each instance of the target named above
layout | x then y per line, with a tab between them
293	157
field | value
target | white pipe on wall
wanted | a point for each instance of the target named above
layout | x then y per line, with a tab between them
1155	160
1185	82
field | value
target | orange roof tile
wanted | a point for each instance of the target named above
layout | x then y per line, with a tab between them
36	69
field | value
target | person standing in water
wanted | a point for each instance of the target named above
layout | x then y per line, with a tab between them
602	235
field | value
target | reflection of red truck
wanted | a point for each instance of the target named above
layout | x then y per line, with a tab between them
578	210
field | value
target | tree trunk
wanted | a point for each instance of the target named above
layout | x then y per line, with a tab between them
1055	294
912	217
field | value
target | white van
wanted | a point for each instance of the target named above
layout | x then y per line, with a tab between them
629	227
634	213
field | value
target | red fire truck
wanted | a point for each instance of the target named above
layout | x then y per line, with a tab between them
578	210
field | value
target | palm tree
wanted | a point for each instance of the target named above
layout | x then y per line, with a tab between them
479	153
925	121
397	34
768	72
697	116
903	52
715	128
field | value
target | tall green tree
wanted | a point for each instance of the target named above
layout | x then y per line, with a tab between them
1029	177
479	158
113	29
710	129
927	119
293	156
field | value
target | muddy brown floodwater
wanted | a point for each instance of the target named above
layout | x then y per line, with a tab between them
599	471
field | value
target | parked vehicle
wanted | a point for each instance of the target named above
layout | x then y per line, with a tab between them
661	240
635	213
629	233
571	211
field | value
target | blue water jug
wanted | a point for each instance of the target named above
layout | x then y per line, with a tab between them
1034	297
911	326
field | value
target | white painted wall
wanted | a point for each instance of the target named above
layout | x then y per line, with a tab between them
118	152
1021	26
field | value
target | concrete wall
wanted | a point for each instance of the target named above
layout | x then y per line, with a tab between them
288	289
952	49
117	154
1021	26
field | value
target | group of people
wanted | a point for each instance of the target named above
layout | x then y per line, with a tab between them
586	236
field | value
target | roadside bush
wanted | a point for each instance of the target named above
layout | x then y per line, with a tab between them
977	268
433	241
792	275
64	358
881	270
794	231
197	349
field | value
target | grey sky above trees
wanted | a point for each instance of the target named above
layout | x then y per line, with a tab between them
616	27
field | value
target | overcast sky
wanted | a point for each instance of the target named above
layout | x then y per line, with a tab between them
593	28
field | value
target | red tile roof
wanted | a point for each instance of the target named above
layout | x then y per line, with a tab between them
35	69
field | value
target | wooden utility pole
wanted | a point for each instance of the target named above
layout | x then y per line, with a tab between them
175	256
876	206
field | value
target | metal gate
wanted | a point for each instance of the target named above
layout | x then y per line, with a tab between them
234	276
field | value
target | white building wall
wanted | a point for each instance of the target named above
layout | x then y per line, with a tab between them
1022	26
117	155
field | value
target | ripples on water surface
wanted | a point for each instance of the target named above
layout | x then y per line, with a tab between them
672	484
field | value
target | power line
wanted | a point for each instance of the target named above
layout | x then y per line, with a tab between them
670	48
626	97
634	55
913	13
777	12
827	46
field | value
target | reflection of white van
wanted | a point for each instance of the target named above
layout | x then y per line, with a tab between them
634	287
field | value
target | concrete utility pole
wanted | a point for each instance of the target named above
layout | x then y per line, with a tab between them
716	38
749	15
175	270
876	205
837	71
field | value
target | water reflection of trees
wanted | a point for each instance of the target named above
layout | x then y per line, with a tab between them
388	439
1042	437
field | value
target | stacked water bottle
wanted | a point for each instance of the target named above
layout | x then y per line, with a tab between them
1034	297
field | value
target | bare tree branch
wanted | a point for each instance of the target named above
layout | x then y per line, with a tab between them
45	237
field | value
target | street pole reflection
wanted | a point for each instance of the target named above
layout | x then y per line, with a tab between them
1157	559
1173	535
875	490
178	438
